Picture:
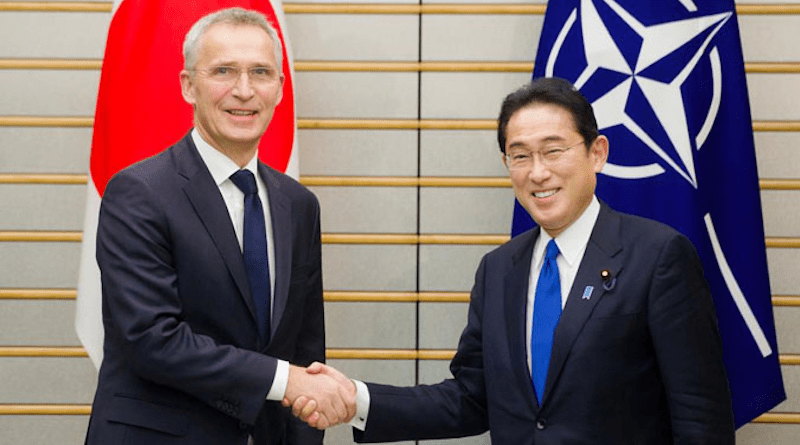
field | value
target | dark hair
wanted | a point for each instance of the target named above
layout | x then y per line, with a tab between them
554	91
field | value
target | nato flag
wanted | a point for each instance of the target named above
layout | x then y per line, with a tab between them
666	80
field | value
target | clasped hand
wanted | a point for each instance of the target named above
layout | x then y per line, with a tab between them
320	395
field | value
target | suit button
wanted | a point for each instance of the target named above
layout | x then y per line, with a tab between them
541	424
243	426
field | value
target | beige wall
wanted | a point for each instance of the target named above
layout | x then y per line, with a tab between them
371	269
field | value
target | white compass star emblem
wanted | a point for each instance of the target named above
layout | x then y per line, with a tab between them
687	39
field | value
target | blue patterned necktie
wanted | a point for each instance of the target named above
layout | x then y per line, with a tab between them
546	311
255	249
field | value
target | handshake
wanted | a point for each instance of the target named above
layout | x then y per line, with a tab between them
320	395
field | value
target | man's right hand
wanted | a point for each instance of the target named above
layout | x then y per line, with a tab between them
320	395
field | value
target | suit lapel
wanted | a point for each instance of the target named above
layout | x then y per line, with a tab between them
280	213
603	252
516	296
207	201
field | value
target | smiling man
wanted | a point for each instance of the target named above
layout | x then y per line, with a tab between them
595	327
211	267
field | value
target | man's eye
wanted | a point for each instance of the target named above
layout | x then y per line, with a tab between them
553	152
520	157
259	71
222	70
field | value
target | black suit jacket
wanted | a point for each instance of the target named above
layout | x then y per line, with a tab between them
637	363
183	362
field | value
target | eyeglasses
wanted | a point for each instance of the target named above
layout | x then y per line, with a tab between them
229	75
548	156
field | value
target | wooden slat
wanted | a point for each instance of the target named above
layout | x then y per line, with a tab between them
371	354
783	242
391	238
398	124
42	178
359	181
777	126
788	359
56	6
333	296
414	67
45	121
446	181
38	294
786	300
772	67
350	124
42	351
373	66
389	354
40	236
371	297
54	409
406	181
489	9
85	409
444	297
784	418
463	239
50	64
779	184
378	8
767	9
349	238
395	297
369	238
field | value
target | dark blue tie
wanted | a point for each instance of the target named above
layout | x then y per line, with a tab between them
546	311
255	249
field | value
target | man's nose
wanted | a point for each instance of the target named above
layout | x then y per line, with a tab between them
243	87
538	170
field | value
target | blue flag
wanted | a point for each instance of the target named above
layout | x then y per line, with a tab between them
666	81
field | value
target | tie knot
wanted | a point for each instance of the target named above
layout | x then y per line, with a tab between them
551	251
246	182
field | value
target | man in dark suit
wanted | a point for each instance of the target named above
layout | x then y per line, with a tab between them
212	283
596	327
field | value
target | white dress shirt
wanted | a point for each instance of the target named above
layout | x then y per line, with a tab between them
221	168
571	244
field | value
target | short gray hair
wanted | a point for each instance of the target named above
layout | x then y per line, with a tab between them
231	16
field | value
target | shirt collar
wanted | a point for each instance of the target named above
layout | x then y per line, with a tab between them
220	166
573	240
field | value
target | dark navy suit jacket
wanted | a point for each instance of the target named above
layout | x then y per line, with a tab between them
639	363
183	362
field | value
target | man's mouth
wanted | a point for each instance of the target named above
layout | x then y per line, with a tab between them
546	193
242	112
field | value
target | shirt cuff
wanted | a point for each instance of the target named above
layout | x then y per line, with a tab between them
359	421
278	389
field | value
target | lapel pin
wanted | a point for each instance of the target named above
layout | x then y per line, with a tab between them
609	281
587	293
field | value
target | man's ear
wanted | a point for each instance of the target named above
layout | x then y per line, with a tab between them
599	152
187	87
280	90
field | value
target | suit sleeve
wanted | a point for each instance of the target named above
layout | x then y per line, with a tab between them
688	348
311	336
452	408
143	312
